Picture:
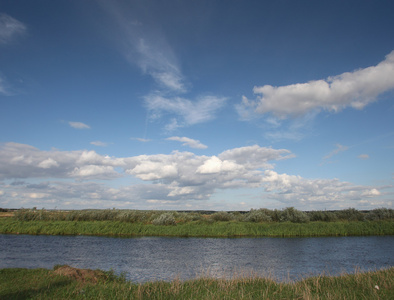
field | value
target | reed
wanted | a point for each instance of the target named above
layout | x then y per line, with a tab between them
46	284
198	228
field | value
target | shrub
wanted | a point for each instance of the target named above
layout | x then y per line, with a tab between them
290	214
222	216
132	216
184	217
257	215
325	216
380	214
350	214
164	219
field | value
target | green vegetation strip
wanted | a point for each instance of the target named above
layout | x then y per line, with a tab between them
198	229
50	284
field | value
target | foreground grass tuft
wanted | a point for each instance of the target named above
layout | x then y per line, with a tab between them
49	284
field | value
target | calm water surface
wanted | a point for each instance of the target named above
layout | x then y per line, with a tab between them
160	258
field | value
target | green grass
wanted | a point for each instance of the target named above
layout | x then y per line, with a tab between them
45	284
198	228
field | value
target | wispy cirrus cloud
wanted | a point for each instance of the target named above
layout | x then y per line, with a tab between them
340	148
351	89
143	140
78	125
201	110
144	45
10	28
188	142
99	144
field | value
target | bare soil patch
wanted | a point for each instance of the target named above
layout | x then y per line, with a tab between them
81	275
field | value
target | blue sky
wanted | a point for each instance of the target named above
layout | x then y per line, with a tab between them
222	105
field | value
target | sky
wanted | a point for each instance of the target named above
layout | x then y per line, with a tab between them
196	105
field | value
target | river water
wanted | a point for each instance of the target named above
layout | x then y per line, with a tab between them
160	258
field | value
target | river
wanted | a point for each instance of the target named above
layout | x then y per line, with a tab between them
160	258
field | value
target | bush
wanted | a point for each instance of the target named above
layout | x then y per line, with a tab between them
257	216
184	217
164	219
380	214
132	216
290	214
222	216
350	214
325	216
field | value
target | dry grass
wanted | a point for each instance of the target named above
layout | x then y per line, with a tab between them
73	283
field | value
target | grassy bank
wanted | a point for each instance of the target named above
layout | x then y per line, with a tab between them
288	222
198	228
81	284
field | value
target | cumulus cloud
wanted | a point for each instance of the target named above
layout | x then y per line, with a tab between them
255	156
79	125
191	112
188	142
24	161
178	177
10	28
298	191
351	89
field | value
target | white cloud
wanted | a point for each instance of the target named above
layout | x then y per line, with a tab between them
48	163
143	140
94	172
145	45
177	178
99	144
363	156
157	60
311	193
255	157
79	125
10	28
3	87
340	148
191	112
215	165
355	89
188	142
24	161
371	193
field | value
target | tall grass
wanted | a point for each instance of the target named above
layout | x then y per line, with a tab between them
198	228
45	284
288	222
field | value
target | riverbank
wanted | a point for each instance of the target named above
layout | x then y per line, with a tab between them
68	283
198	228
